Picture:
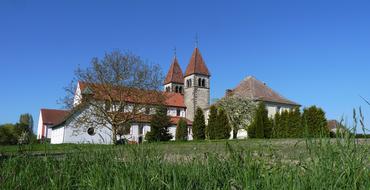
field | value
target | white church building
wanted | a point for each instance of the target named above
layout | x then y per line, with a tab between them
184	93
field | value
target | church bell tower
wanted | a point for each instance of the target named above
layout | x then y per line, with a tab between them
197	85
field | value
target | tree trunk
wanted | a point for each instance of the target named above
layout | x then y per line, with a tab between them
114	134
235	132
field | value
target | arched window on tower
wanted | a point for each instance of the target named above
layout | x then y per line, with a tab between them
177	89
199	82
188	83
180	89
167	89
204	83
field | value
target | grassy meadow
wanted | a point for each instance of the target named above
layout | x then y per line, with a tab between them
237	164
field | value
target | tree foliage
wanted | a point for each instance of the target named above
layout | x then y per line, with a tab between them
239	110
211	129
315	122
223	126
111	84
218	124
26	120
182	130
261	126
199	125
159	126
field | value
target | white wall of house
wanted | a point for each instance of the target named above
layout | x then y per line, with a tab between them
57	135
273	108
172	111
39	127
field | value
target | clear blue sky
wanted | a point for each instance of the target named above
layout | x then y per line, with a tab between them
312	51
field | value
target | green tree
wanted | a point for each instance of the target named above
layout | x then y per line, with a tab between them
212	123
223	126
239	110
182	130
294	125
314	120
199	125
8	134
276	125
261	126
159	126
26	121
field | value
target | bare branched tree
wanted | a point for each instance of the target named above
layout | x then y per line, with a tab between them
239	111
115	91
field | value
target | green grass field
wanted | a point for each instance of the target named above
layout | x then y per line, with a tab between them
239	164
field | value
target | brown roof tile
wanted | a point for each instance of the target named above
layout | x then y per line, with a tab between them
256	90
52	117
197	64
137	95
174	74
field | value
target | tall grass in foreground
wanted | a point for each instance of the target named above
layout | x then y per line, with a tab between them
341	163
326	164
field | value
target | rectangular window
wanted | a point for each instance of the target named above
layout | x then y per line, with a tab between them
178	112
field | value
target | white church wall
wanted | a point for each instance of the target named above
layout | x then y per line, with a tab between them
77	98
57	135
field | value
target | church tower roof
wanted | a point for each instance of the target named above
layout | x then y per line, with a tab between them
197	64
174	74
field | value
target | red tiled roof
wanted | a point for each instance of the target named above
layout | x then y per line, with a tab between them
174	74
52	116
254	89
137	95
174	99
197	65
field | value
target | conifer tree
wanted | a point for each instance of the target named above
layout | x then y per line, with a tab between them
294	129
212	123
159	126
223	126
314	120
277	125
182	130
261	124
199	125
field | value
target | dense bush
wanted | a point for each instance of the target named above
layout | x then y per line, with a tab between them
159	126
199	125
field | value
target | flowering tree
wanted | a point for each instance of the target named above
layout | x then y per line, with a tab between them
239	111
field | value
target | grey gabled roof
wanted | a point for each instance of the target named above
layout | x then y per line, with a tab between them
254	89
